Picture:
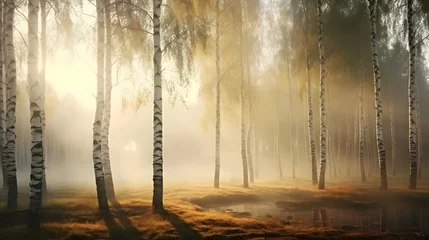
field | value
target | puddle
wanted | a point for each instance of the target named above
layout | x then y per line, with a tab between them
400	219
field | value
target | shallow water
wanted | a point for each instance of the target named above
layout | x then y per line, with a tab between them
400	219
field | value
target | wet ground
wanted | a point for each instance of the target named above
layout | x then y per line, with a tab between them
401	219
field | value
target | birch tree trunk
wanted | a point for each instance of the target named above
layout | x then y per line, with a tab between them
310	124
157	201
348	132
367	141
218	78
290	114
96	153
419	136
322	97
277	135
43	47
249	131
3	87
412	116
105	150
392	131
356	140
36	122
242	102
361	139
9	150
377	88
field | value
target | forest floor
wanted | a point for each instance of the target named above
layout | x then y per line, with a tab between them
73	214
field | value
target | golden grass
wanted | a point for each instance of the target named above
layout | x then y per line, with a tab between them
72	214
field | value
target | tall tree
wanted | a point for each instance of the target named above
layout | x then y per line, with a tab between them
322	97
36	122
3	87
157	201
97	126
309	101
218	79
9	150
378	101
412	116
277	133
291	139
242	100
419	136
392	129
43	46
361	133
105	150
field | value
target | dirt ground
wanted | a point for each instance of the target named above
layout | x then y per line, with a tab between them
73	213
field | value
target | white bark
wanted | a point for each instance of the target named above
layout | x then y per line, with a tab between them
378	100
348	140
392	130
249	131
419	136
218	77
242	102
412	116
157	201
277	136
96	153
2	97
9	150
43	47
110	190
290	114
310	125
361	139
322	97
36	101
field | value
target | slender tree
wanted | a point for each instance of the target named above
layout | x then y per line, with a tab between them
157	201
419	136
36	122
277	134
392	129
322	97
9	150
2	96
242	100
43	46
412	116
378	101
218	78
361	138
290	110
105	150
97	126
309	101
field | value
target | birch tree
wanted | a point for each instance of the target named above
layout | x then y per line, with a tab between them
105	150
97	126
36	121
322	97
361	134
378	101
218	79
9	150
42	75
392	130
412	116
3	87
157	201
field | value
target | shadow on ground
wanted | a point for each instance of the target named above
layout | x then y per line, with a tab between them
184	229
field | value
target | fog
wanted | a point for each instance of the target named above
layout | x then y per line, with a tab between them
272	56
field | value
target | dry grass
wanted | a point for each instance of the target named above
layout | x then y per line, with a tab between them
74	215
